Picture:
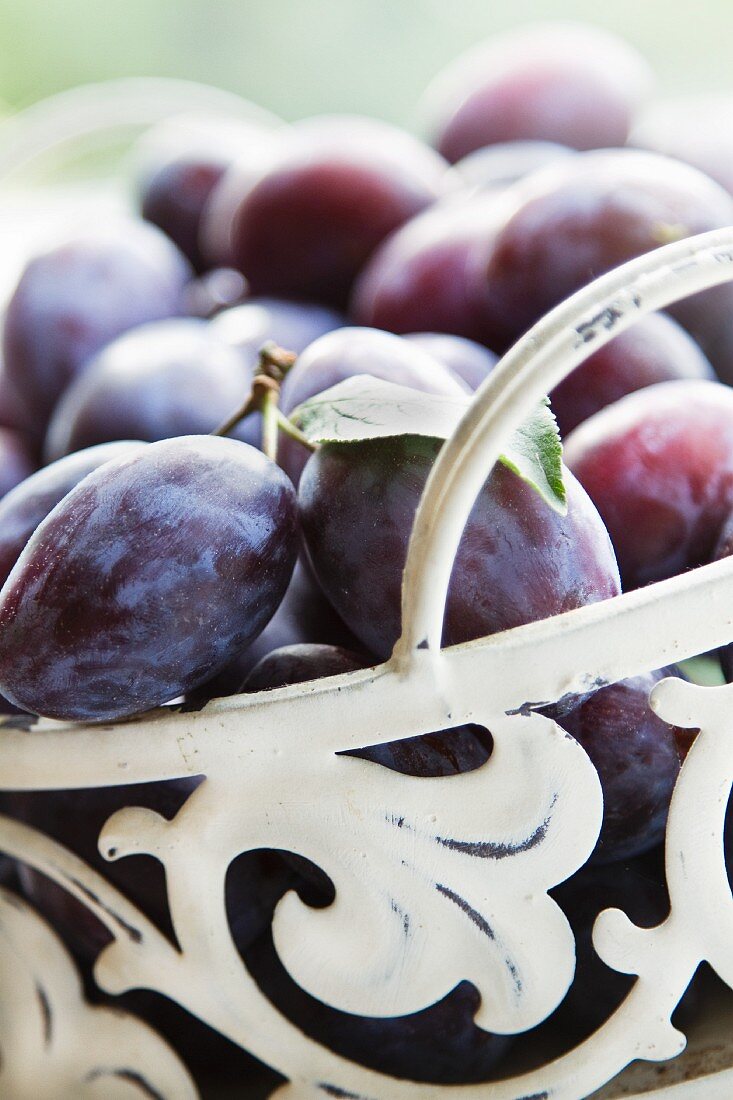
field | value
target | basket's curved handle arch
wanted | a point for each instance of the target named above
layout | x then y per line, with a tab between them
545	355
94	111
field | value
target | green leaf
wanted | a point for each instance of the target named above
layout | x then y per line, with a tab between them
534	452
364	407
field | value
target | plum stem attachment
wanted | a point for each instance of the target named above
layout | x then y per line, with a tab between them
274	361
274	364
261	385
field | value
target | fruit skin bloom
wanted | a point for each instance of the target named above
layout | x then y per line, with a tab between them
562	82
28	504
145	579
306	225
637	758
518	560
658	465
655	349
76	297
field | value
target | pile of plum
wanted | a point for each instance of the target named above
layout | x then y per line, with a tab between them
169	530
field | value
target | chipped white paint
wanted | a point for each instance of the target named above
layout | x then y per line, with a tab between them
414	861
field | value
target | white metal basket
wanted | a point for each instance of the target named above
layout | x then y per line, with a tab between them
274	779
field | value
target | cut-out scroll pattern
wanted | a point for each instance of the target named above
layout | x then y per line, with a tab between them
428	851
53	1045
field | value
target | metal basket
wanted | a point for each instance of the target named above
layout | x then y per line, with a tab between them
428	846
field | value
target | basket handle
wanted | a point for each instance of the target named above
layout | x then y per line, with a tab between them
94	110
545	355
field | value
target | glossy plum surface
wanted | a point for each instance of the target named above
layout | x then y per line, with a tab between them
469	360
216	290
296	664
428	276
304	618
174	197
574	221
562	82
658	465
497	166
291	325
518	560
216	233
78	296
655	349
351	351
636	756
30	502
161	380
308	223
154	564
178	164
147	576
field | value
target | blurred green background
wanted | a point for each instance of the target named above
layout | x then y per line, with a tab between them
298	57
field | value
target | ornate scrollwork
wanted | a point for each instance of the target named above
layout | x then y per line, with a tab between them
53	1044
437	880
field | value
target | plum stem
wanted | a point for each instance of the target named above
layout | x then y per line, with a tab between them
261	385
270	421
274	364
